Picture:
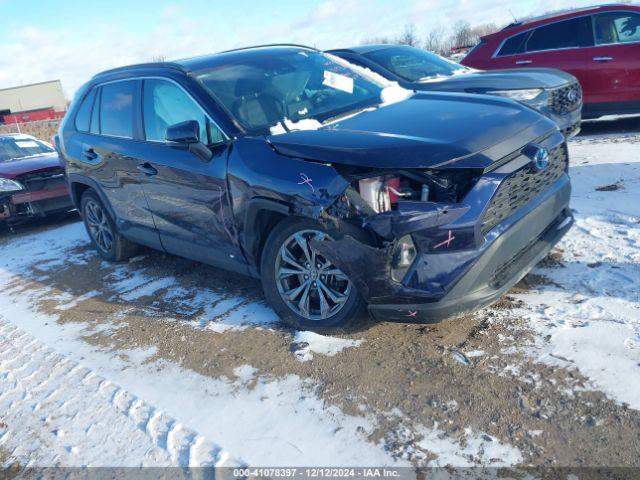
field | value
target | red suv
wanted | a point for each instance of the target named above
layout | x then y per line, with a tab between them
598	45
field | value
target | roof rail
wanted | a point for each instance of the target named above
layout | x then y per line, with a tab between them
270	45
171	65
556	13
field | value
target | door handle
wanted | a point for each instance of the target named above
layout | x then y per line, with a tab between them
524	62
602	59
147	169
89	154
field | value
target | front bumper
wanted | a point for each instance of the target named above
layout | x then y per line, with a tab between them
497	268
568	123
39	203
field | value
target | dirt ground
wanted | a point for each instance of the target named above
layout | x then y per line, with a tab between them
415	369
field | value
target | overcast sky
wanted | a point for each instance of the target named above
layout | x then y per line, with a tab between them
71	41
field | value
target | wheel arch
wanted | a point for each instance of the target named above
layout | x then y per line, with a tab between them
78	184
261	216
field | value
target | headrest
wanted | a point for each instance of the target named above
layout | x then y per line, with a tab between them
249	86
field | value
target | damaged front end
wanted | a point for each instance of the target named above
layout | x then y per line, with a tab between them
445	242
398	209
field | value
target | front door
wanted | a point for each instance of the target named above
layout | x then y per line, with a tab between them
187	196
614	61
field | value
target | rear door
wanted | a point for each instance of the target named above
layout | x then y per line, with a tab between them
102	147
614	60
555	45
188	196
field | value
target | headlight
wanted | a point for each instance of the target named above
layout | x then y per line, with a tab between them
7	185
519	95
402	257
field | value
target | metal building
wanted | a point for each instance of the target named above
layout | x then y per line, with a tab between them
36	101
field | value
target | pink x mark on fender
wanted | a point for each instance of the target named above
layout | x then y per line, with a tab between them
412	314
306	181
447	242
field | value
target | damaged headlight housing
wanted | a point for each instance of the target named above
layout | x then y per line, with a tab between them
403	255
7	185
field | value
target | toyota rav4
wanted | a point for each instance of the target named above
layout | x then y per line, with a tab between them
338	191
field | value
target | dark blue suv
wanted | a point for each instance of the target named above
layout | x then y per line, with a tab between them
337	190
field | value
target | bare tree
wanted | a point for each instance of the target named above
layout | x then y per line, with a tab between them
377	40
437	41
158	58
409	36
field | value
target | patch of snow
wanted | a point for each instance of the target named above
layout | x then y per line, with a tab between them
74	302
394	94
304	124
245	373
149	288
307	343
474	353
480	449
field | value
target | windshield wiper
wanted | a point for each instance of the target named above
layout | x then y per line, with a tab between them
348	114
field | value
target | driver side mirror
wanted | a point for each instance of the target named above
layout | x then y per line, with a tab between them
184	132
188	134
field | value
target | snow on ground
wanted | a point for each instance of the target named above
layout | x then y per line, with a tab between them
590	314
308	343
58	412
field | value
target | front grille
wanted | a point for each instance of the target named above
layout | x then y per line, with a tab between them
34	182
566	99
522	186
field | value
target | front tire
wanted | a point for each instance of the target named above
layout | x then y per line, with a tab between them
101	228
304	288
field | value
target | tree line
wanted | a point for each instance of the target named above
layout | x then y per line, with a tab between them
438	39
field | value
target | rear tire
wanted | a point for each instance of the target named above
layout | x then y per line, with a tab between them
332	301
101	228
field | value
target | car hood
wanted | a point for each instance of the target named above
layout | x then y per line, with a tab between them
429	130
482	81
21	166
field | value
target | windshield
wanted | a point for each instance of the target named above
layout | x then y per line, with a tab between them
20	147
414	64
271	90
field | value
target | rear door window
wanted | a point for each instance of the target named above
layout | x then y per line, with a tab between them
116	109
616	27
83	116
555	36
513	45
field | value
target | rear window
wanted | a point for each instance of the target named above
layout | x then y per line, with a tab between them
555	36
414	64
513	45
116	109
83	117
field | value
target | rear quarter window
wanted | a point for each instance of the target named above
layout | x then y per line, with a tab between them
513	45
83	117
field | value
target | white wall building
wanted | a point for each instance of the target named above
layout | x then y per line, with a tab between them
33	97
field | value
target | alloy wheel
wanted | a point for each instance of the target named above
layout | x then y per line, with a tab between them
309	284
98	226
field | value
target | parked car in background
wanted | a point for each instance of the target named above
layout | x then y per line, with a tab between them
32	182
336	190
554	93
598	45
